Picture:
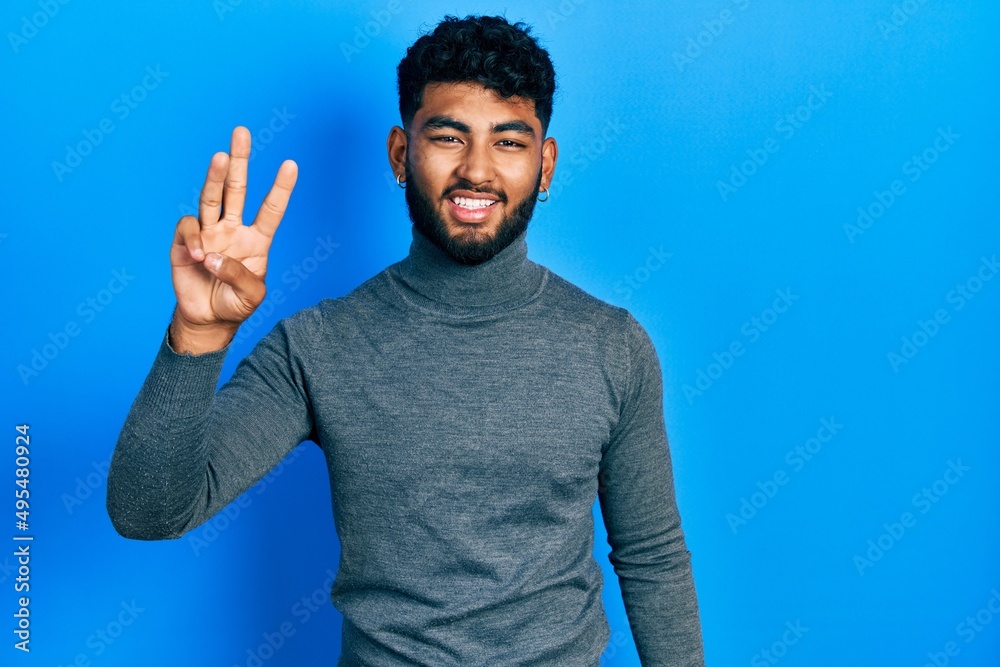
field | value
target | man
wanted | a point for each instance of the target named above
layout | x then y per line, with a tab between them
470	403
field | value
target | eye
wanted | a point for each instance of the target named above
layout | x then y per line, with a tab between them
445	139
510	143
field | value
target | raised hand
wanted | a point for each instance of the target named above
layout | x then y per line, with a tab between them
217	263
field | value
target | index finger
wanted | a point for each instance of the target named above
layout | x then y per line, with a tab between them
276	202
210	200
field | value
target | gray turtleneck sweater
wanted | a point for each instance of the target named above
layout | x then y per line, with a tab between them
469	417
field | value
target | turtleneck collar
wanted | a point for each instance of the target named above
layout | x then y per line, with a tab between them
432	280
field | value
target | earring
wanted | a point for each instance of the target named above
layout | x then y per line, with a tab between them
546	191
402	185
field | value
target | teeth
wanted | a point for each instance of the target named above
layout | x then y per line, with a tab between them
465	202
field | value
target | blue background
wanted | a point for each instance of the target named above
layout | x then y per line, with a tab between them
658	104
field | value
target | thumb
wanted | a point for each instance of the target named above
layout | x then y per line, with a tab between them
248	287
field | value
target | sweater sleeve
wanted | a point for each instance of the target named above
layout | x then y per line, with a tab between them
186	451
636	493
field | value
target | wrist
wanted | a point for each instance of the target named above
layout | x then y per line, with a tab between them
187	338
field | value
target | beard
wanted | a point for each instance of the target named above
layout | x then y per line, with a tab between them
469	246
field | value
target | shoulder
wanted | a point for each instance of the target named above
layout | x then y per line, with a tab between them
336	315
571	301
623	345
624	341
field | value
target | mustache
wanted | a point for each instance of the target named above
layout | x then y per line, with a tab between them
465	185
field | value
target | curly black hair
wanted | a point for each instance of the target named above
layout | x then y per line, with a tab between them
487	49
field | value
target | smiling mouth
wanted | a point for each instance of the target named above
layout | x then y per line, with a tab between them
469	209
471	203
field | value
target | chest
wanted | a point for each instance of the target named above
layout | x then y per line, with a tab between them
488	409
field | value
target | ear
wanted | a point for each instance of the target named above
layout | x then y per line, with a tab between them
396	146
550	152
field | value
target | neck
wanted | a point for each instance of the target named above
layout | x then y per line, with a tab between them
432	280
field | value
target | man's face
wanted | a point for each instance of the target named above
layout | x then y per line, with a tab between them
474	163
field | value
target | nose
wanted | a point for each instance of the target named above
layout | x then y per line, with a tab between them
476	165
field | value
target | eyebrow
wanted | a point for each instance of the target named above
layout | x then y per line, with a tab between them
518	126
438	122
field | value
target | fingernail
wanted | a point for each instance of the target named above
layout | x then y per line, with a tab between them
198	253
214	260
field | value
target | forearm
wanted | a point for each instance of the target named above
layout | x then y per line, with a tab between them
186	451
636	490
651	559
159	467
660	600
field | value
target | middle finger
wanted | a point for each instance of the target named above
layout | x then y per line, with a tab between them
235	191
